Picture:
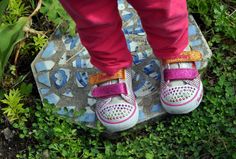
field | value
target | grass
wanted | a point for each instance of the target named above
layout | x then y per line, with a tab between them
208	132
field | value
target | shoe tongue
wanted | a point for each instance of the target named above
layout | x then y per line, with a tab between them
181	65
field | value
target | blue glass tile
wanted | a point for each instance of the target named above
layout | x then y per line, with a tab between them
81	79
62	60
50	50
121	5
139	57
44	65
87	117
156	108
151	70
68	93
52	98
82	63
71	42
58	33
44	90
62	111
141	115
198	64
196	42
70	111
132	46
60	78
126	16
192	30
44	79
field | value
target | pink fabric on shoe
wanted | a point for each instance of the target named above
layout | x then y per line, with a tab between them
180	74
109	90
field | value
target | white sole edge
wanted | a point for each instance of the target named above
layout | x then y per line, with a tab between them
124	125
189	107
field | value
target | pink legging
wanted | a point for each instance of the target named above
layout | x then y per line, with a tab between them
99	26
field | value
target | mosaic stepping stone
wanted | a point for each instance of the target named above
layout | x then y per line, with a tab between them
62	68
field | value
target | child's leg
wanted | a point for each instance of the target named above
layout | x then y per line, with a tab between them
166	25
99	26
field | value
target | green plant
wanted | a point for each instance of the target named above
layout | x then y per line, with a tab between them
58	136
225	21
14	108
14	10
10	34
26	89
56	14
39	41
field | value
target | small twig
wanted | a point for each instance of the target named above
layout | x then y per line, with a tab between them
232	13
33	31
20	44
36	9
80	48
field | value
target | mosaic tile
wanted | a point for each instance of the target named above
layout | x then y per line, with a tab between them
70	42
68	93
132	45
196	42
52	98
44	90
70	110
82	79
152	70
82	63
44	65
126	15
121	5
156	108
44	79
60	77
144	88
141	116
50	50
62	60
89	116
192	30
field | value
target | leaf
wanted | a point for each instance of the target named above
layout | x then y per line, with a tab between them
149	155
26	89
3	6
10	35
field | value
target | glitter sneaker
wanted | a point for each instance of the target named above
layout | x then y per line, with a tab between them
181	86
116	105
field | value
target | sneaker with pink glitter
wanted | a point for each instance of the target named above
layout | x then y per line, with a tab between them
116	105
181	86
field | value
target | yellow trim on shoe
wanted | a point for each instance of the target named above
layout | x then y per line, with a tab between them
185	56
103	77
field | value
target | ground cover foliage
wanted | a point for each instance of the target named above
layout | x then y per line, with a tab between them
30	130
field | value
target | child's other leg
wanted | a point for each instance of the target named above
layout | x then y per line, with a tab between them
99	26
166	25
